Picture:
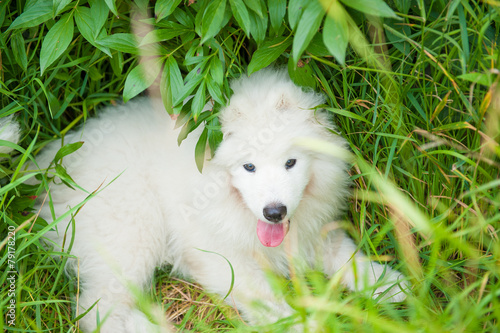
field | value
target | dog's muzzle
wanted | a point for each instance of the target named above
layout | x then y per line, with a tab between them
272	232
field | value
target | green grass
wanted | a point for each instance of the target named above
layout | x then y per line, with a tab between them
418	103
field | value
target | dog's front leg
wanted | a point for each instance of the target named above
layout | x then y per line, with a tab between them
358	271
251	292
111	304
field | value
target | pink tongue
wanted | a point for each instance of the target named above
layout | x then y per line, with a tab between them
270	235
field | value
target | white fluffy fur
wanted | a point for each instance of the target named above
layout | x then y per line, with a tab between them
9	131
161	210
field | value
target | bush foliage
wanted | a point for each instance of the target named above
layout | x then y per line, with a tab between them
413	87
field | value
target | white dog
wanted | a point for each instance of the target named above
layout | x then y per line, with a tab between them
261	201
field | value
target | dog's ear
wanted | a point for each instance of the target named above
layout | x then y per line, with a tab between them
283	102
228	116
226	134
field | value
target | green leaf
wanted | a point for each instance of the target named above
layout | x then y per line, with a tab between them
442	103
99	12
308	26
400	41
112	6
464	36
122	42
199	101
86	25
348	114
65	177
67	149
117	63
95	74
215	91
163	8
175	76
3	11
35	15
241	15
317	47
371	7
171	84
212	20
452	7
192	80
268	52
216	70
302	74
161	35
165	89
277	10
335	32
140	78
56	41
214	134
183	18
454	126
228	15
17	44
295	10
59	5
67	100
193	59
404	6
485	79
101	36
199	150
54	104
215	80
259	27
201	10
257	6
191	125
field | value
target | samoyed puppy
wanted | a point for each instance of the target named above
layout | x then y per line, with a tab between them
261	203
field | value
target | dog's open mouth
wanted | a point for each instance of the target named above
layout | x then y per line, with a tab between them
272	234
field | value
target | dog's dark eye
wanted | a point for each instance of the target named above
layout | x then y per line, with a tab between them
249	167
290	163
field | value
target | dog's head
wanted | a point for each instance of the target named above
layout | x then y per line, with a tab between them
271	180
265	117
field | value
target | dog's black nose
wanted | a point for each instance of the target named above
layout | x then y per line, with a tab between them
275	212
